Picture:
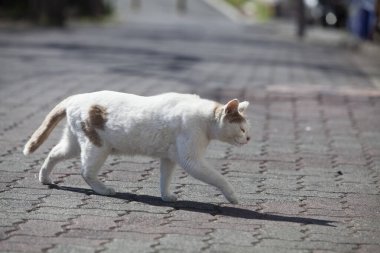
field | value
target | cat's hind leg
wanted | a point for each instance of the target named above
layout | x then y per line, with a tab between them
67	148
166	173
92	158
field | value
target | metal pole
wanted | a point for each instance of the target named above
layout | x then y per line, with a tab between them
301	22
181	6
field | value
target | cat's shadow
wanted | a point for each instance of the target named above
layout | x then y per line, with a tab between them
194	206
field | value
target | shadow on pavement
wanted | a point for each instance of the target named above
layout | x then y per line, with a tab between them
194	206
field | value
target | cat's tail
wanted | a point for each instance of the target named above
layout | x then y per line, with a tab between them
47	126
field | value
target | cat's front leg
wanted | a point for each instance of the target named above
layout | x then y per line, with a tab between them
166	170
201	171
190	150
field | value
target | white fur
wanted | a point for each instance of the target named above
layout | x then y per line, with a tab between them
174	127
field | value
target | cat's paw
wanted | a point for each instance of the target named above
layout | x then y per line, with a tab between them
45	180
232	198
110	191
169	197
107	191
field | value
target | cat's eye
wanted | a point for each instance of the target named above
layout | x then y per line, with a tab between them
242	130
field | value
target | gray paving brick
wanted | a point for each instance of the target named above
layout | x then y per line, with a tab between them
307	182
307	245
40	228
11	246
64	248
50	242
181	242
92	222
77	211
238	238
135	244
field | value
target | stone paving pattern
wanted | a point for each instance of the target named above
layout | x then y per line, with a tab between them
308	182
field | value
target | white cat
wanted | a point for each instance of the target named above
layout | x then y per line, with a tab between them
174	127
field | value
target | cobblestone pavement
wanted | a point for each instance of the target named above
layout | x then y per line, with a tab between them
308	182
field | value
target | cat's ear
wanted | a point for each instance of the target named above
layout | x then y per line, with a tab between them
231	106
243	106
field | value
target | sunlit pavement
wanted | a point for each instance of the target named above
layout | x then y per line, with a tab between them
307	182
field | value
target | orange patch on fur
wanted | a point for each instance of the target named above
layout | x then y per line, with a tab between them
41	134
97	117
218	110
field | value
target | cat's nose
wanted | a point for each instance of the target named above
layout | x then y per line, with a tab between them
248	138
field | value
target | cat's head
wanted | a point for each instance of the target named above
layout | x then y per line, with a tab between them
233	126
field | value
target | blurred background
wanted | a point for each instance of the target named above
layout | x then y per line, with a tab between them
199	45
359	17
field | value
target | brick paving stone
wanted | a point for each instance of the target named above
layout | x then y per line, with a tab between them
77	211
141	207
35	244
223	247
20	246
307	245
64	248
360	237
289	208
136	244
368	248
214	224
307	182
227	236
92	223
40	228
283	232
62	202
187	243
5	230
120	207
178	228
12	205
34	215
140	221
90	234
